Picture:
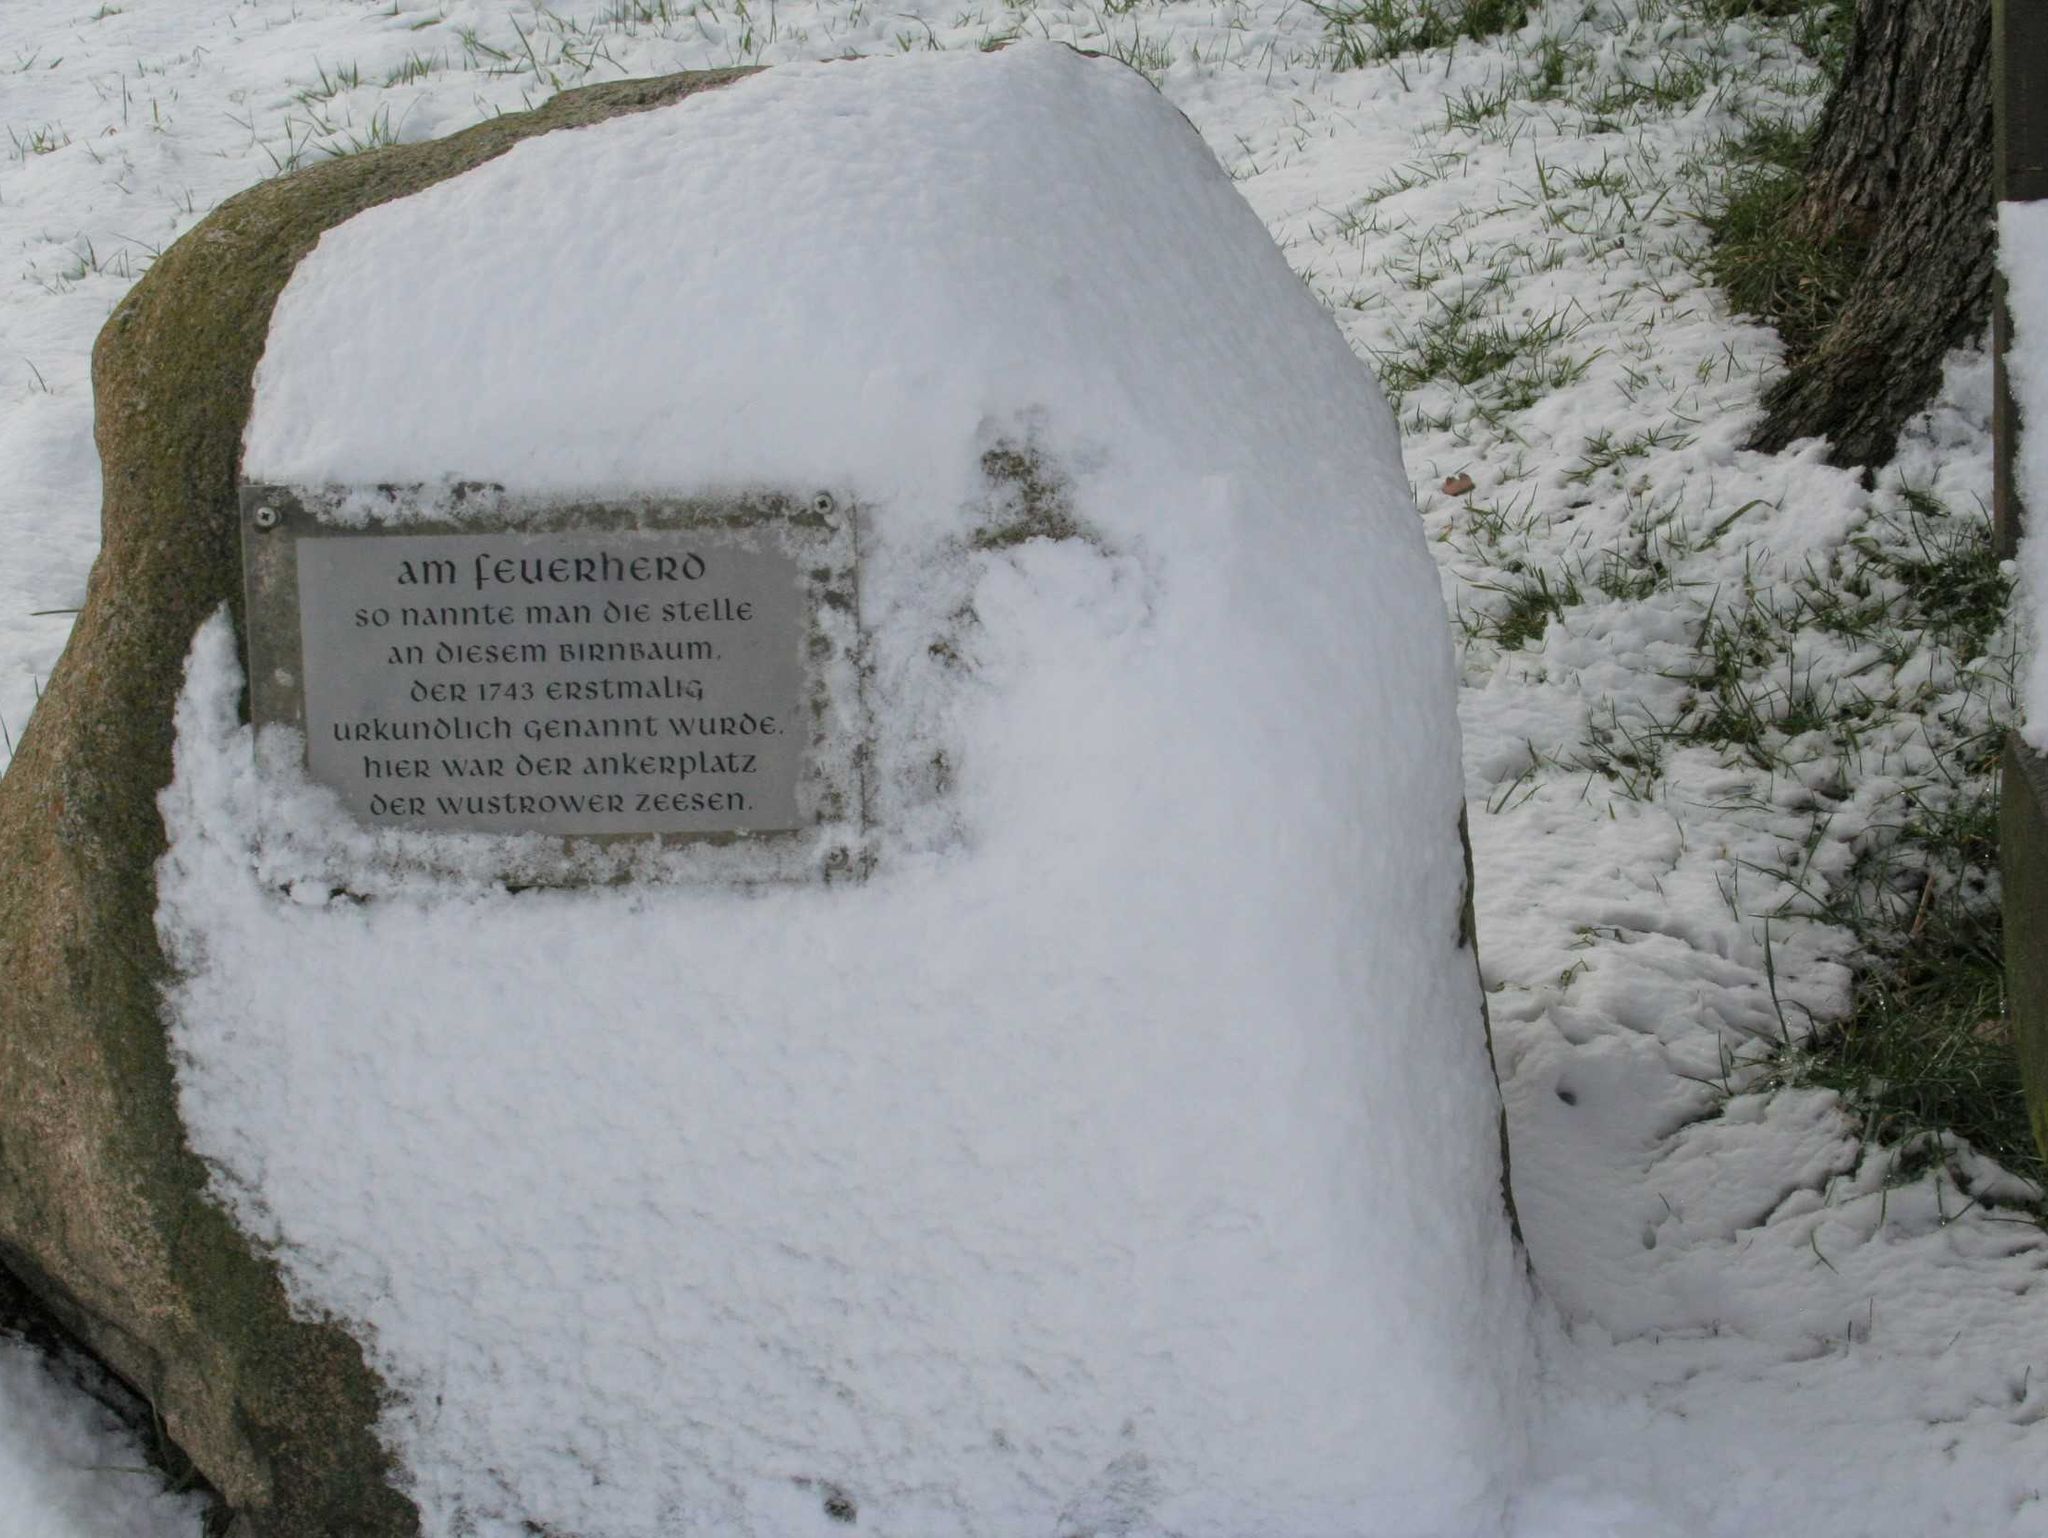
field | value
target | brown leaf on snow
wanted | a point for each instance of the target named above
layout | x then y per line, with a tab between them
1457	485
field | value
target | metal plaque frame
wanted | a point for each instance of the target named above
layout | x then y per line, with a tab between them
819	530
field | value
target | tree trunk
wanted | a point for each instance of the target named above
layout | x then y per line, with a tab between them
1902	160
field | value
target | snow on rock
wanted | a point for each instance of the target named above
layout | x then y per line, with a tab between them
1121	1156
2023	258
69	1468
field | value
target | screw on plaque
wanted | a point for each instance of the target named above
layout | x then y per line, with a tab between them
265	518
823	505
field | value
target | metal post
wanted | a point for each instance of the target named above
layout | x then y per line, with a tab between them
2019	67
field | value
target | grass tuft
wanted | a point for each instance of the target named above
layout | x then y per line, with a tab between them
1819	28
1769	265
1359	33
1927	1050
1532	602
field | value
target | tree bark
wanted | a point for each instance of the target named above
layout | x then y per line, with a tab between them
1902	159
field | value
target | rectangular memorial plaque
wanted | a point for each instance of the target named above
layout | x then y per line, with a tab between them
571	670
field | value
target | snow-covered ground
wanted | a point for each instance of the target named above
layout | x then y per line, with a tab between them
1691	715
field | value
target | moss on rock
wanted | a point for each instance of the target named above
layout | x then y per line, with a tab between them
103	1206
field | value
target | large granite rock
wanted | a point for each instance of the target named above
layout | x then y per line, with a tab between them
103	1211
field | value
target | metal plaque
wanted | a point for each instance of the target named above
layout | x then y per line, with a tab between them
566	669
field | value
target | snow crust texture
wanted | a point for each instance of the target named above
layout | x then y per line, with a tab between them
1121	1156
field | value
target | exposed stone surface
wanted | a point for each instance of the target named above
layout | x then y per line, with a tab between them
103	1212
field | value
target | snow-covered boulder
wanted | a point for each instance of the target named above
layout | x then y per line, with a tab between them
1119	1155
